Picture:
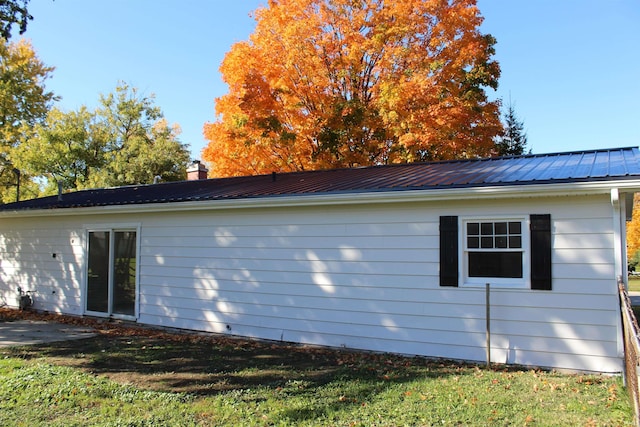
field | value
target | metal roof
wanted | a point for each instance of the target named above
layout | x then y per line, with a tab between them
580	166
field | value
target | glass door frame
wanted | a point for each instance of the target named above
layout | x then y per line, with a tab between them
111	229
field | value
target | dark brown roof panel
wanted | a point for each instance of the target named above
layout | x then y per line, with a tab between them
593	165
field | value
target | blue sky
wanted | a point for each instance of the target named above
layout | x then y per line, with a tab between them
571	67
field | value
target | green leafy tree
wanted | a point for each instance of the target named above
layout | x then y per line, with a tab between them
124	141
24	102
512	141
66	149
142	145
13	12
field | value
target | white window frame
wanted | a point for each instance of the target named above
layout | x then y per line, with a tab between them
505	282
111	228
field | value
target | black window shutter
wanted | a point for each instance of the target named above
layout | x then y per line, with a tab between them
448	251
541	252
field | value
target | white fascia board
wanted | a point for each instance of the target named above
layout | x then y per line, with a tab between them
351	198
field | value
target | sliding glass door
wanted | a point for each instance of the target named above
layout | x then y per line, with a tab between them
98	273
111	272
124	273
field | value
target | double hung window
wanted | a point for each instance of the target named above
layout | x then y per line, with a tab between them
494	249
509	251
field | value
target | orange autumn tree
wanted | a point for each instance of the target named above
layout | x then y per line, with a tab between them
633	234
344	83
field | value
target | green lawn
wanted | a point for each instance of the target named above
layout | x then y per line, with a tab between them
634	284
134	377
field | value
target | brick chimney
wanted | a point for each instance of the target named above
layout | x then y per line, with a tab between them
196	171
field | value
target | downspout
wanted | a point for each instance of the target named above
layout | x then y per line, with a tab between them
618	237
619	227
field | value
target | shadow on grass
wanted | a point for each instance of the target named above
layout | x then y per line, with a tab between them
226	380
179	363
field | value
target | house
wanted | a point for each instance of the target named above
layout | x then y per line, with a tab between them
387	258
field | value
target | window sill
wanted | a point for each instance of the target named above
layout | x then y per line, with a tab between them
496	283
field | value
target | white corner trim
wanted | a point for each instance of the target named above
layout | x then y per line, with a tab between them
619	252
618	237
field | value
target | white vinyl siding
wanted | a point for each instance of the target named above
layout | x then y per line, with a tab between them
353	276
27	249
